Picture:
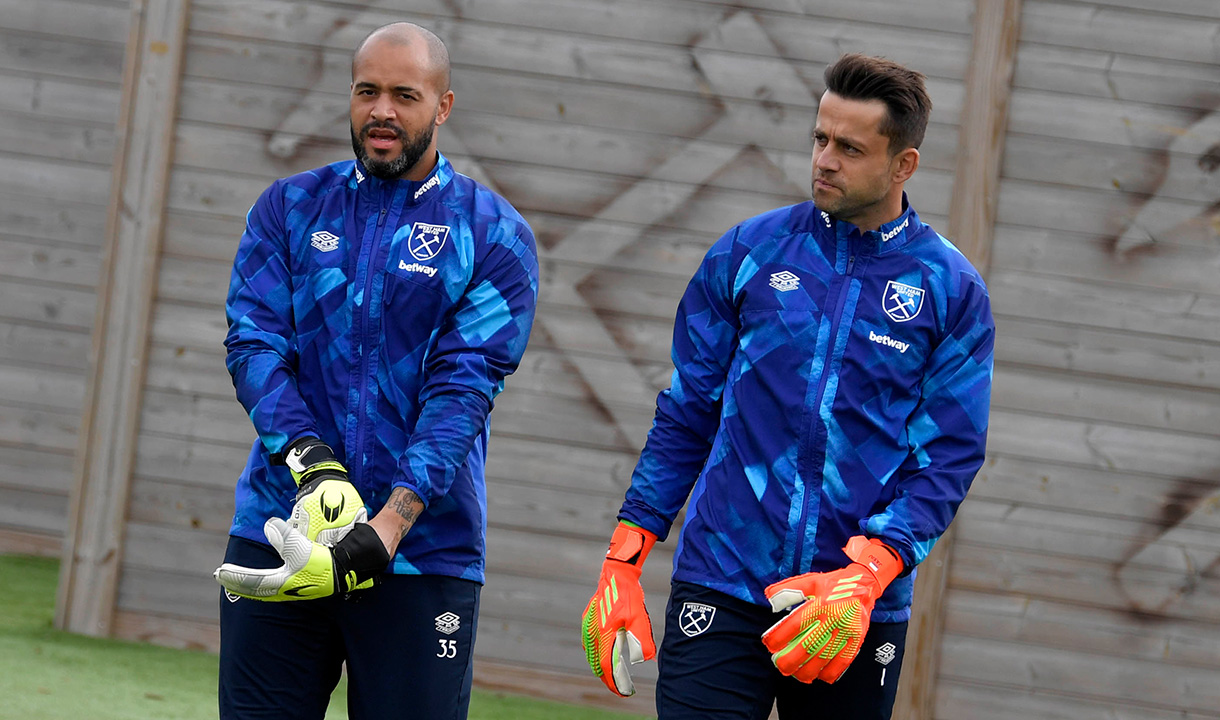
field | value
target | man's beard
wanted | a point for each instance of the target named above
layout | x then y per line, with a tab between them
413	148
846	206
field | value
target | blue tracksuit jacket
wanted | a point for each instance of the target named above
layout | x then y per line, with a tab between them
827	383
382	317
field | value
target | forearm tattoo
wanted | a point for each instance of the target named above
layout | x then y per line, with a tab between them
408	506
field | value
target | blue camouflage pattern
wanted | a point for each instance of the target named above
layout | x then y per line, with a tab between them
382	317
827	383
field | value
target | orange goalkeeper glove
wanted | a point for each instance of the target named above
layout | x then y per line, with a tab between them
819	639
615	619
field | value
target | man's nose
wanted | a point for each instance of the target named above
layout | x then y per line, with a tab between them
383	109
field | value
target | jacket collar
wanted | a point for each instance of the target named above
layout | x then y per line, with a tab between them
416	192
890	236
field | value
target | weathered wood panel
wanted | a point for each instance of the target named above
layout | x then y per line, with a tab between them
93	547
1147	683
1085	629
60	65
47	96
1070	594
968	700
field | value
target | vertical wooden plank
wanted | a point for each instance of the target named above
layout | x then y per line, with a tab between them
972	215
984	121
143	155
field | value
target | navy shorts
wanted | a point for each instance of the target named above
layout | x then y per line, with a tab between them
407	643
713	666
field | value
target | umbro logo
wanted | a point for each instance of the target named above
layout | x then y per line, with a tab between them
886	653
784	281
448	623
324	241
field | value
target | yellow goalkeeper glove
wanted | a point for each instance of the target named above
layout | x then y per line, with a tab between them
819	639
615	620
327	504
311	570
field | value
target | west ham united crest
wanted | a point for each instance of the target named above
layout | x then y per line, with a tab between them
901	302
695	618
427	240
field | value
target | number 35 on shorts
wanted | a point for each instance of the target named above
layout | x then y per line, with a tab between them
448	648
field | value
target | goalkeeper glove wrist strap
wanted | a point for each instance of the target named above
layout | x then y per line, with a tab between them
358	557
880	559
309	459
630	544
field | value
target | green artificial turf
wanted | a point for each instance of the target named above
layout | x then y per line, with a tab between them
46	674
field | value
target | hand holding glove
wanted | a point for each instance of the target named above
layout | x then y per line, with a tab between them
327	504
615	619
820	638
310	570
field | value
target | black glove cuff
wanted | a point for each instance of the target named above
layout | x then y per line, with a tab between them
362	552
306	451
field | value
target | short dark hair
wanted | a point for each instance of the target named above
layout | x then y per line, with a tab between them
862	77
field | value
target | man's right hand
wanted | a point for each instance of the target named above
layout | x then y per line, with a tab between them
615	620
327	504
310	570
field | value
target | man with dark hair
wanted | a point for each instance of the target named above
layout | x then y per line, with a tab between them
375	308
826	416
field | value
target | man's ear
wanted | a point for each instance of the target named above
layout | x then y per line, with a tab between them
443	106
904	165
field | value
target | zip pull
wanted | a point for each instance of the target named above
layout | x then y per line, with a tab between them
381	217
851	262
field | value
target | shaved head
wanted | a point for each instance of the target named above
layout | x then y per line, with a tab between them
409	34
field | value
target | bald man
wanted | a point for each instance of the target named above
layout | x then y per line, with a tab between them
375	308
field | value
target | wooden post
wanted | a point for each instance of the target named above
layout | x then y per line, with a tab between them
972	212
143	155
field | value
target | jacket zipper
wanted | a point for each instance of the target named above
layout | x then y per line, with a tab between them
798	555
363	337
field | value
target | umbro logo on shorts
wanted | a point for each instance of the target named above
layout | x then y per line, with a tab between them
448	623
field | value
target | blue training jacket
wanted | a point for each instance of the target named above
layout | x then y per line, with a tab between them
382	317
827	383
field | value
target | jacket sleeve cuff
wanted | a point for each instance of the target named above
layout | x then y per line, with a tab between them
413	488
646	518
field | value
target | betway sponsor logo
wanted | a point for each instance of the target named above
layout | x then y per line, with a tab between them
886	237
889	341
416	267
432	182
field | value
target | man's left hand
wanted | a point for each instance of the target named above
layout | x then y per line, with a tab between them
311	570
820	638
